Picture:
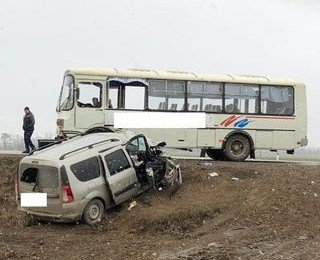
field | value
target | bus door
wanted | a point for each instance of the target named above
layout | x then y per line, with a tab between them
89	106
124	94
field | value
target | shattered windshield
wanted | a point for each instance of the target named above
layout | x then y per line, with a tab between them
66	96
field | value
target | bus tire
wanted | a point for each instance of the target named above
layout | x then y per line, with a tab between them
237	148
93	212
216	154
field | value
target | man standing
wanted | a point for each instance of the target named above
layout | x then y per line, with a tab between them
28	127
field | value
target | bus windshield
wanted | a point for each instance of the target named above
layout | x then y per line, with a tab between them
66	96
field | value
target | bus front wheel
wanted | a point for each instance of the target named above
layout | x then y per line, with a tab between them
237	148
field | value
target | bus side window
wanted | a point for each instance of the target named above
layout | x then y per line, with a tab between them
277	100
112	100
205	96
134	97
241	98
166	95
89	94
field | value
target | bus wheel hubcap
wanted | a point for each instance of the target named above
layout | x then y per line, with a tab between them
237	147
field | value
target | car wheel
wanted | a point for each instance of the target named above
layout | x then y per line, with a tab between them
216	154
237	148
93	212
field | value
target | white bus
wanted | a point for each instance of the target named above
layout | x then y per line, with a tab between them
242	113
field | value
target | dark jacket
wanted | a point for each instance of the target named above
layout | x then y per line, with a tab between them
28	122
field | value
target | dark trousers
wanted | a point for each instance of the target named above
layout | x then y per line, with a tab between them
27	140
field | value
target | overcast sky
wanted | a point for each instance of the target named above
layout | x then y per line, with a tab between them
39	40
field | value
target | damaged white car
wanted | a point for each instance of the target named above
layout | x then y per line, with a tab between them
85	175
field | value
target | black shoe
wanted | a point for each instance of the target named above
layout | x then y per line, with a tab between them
25	151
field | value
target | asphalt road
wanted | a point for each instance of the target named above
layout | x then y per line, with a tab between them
192	156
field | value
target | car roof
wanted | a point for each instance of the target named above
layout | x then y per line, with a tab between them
94	143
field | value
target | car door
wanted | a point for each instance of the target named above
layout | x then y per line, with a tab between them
120	175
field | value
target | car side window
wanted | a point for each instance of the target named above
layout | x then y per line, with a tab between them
86	170
133	146
142	144
116	162
137	145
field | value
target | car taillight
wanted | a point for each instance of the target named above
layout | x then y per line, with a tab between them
67	195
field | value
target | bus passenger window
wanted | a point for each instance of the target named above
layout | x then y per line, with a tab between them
134	97
157	95
166	95
277	100
240	98
112	100
205	96
175	95
89	94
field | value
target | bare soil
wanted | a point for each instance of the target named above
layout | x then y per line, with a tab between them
268	211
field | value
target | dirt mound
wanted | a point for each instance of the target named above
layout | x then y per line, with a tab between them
248	211
179	223
8	211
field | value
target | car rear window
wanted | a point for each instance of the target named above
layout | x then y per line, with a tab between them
29	175
86	170
43	176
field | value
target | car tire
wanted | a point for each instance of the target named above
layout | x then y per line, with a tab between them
216	154
93	212
237	148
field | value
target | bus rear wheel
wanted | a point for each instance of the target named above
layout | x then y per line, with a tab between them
216	154
237	148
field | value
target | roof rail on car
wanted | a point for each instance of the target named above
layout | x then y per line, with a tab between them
48	145
62	157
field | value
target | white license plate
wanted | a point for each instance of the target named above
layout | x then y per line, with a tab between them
34	199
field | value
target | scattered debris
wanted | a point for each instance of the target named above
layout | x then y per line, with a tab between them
132	205
213	244
235	179
304	237
213	174
209	164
